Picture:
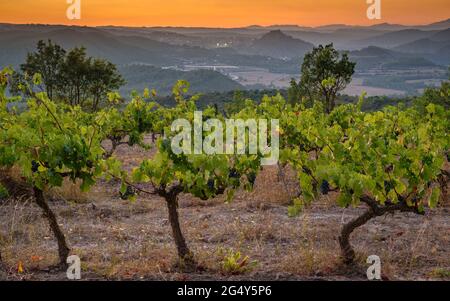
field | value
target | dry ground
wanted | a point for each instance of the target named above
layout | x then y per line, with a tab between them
117	239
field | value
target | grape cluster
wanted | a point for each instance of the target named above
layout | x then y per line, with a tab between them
324	187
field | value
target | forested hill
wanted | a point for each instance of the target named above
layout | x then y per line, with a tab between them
140	77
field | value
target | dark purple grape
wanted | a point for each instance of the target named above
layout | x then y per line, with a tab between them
234	174
324	187
34	166
211	184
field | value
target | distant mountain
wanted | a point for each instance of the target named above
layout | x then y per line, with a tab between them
15	45
276	49
343	38
442	56
139	77
445	24
388	27
280	27
265	52
422	46
157	35
379	58
396	38
435	48
373	51
333	27
441	36
279	45
119	48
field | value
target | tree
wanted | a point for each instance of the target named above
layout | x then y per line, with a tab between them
47	61
236	104
439	96
85	81
70	77
324	74
294	92
103	77
73	82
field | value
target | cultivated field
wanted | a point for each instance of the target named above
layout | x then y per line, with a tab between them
119	239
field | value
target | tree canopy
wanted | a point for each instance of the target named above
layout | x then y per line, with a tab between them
324	73
70	77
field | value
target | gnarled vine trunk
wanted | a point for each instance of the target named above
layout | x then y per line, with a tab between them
63	249
375	210
348	253
184	253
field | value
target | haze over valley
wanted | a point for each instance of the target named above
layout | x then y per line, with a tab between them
391	59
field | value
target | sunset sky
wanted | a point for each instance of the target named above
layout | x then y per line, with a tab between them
222	13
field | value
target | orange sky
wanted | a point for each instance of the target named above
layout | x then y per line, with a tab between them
222	13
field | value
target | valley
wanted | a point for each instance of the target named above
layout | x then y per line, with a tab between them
391	59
